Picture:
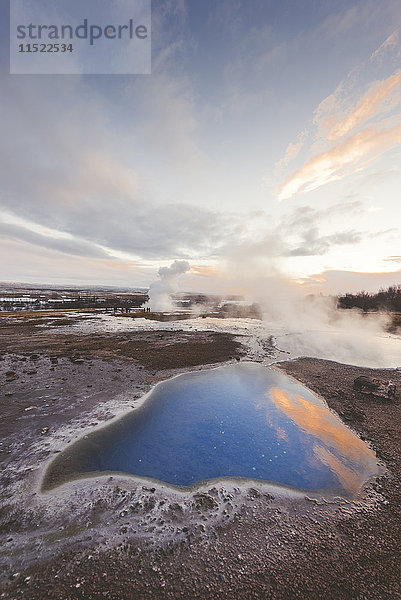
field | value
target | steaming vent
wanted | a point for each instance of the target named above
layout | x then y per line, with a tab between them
161	291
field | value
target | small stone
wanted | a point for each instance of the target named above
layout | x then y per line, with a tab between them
205	500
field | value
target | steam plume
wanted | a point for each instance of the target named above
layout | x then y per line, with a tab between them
310	325
160	291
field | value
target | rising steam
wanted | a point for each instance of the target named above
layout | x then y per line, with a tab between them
311	325
161	291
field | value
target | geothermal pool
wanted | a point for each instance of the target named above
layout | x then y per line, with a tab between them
243	420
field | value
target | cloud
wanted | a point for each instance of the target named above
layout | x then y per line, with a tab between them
79	177
389	43
103	162
170	34
342	21
80	182
302	225
391	232
301	231
339	281
291	152
97	159
381	96
395	259
348	121
67	246
314	244
306	216
205	270
343	158
170	117
360	16
35	264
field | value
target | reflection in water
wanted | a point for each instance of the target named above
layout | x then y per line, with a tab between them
349	478
243	420
317	420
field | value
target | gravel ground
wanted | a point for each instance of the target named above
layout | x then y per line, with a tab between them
119	538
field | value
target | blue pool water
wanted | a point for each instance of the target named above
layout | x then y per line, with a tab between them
244	420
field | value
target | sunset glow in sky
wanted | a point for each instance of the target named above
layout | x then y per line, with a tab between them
269	134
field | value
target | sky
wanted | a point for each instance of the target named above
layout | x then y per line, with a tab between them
267	139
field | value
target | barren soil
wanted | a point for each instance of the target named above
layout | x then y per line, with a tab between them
122	539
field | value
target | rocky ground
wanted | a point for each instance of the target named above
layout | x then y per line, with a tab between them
117	538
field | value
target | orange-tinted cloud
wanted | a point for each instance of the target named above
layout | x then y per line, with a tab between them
335	281
334	444
345	157
324	426
204	271
381	96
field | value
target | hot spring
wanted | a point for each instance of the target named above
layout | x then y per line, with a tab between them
239	421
